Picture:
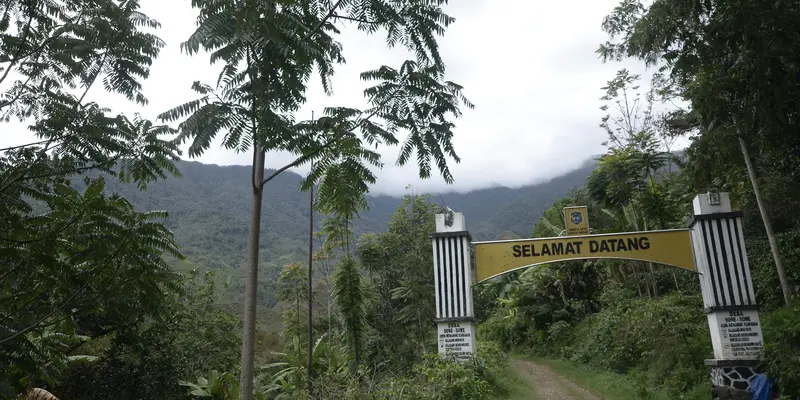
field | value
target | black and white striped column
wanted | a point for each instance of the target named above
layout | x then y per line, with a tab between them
725	283
452	273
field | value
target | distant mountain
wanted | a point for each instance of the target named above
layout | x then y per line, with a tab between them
209	211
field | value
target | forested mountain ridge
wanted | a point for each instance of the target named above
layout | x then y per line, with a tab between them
209	209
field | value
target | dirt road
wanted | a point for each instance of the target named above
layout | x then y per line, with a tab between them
549	385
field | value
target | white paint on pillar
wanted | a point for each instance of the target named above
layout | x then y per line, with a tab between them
725	282
452	270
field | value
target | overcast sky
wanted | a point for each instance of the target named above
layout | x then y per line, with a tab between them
528	66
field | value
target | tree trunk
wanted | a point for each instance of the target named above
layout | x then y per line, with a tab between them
637	278
297	321
310	283
773	243
653	280
675	278
251	283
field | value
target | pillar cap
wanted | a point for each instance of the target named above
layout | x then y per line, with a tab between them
450	221
711	203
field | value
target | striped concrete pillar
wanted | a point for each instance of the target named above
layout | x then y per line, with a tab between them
727	289
453	277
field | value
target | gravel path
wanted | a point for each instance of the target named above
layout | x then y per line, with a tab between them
549	385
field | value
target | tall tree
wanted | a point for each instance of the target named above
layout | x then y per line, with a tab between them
291	289
81	263
399	262
629	180
268	50
736	63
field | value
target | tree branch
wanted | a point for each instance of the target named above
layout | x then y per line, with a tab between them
70	171
23	145
323	20
363	21
327	145
16	96
49	141
24	38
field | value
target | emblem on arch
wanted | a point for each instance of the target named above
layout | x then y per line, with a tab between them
576	217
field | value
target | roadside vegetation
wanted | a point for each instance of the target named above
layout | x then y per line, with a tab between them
92	307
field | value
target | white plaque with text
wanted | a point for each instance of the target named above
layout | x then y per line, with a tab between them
457	339
736	335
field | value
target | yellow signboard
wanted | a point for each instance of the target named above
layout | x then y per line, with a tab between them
670	247
576	219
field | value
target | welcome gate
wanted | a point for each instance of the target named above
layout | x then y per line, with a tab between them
712	246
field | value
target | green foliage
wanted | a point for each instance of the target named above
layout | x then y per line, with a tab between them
209	210
540	297
217	387
269	49
72	269
400	310
782	348
765	278
611	385
188	336
660	342
255	109
740	81
436	377
379	341
289	376
80	263
551	223
292	290
104	40
433	377
348	293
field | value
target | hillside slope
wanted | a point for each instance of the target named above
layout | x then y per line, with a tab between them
209	209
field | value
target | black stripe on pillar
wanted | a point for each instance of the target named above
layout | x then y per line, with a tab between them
456	277
465	271
739	247
710	263
735	266
725	265
717	269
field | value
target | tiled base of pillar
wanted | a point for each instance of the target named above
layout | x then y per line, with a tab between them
735	374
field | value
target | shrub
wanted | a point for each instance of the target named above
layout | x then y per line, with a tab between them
444	378
662	342
781	353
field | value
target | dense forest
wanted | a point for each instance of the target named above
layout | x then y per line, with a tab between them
128	273
208	211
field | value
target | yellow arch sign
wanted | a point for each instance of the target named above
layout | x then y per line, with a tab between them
670	247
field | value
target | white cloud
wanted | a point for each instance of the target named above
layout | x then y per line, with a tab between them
529	67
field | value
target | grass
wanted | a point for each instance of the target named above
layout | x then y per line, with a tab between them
612	386
605	384
514	387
